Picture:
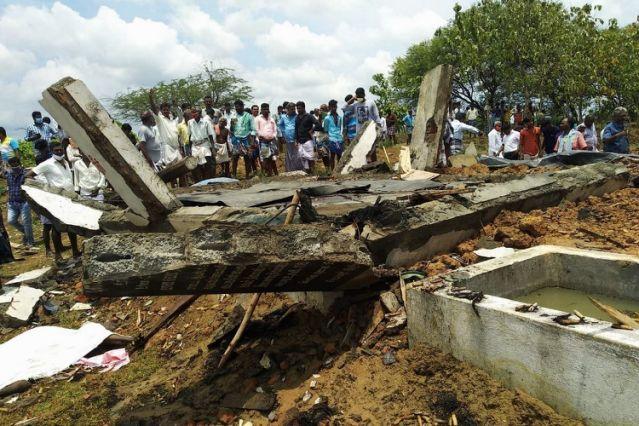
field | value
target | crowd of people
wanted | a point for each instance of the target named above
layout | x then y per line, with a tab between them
220	137
519	135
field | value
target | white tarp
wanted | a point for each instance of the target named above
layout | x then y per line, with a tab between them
45	351
494	253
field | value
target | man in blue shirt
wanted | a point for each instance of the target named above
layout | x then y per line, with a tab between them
292	161
18	211
333	126
39	129
350	121
409	123
615	135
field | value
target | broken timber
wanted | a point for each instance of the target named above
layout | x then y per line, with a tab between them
225	258
432	108
356	154
178	169
82	116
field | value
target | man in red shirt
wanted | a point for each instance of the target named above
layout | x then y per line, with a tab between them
530	142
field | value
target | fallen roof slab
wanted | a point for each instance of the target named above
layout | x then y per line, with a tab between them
356	154
226	258
277	192
438	226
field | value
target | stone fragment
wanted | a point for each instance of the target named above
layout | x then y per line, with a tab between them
390	302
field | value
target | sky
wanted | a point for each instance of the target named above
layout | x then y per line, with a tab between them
286	50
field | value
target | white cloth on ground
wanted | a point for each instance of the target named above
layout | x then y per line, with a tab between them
45	351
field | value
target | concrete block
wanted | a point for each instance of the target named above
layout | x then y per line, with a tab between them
586	371
432	107
23	303
356	154
226	258
30	277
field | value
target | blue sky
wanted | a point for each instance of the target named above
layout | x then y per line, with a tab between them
287	50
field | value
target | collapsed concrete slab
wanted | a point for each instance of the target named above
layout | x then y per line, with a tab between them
438	226
178	169
82	116
586	370
226	258
66	210
432	107
356	154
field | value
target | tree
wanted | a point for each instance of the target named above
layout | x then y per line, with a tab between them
519	50
386	96
220	83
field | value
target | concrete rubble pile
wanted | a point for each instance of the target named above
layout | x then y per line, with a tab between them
201	248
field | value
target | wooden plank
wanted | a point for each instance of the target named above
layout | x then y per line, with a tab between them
432	107
82	116
178	169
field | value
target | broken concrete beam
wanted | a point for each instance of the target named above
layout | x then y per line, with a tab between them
82	116
226	258
178	169
21	307
30	277
66	210
432	107
356	154
438	226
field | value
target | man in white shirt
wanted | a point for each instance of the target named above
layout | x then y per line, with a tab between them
88	180
471	116
510	142
57	172
202	142
590	133
149	145
208	112
167	133
459	127
494	140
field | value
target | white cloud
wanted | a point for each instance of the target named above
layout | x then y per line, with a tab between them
286	50
293	42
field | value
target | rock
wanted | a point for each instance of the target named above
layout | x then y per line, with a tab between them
533	225
23	304
307	395
266	362
389	358
470	258
462	160
396	322
465	247
34	276
389	301
255	401
272	416
226	417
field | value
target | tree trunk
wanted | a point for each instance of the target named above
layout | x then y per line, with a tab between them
178	169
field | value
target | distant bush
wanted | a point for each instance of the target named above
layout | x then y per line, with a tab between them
26	153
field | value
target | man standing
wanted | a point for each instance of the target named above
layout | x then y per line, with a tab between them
590	133
350	121
409	124
459	127
37	131
530	142
292	161
208	113
364	110
391	126
227	113
167	133
18	211
549	131
615	135
471	115
333	127
242	139
57	172
510	142
304	127
8	146
128	131
201	141
149	145
183	131
88	180
569	139
266	131
494	140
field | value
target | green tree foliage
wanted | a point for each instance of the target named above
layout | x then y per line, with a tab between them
220	83
386	97
518	50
